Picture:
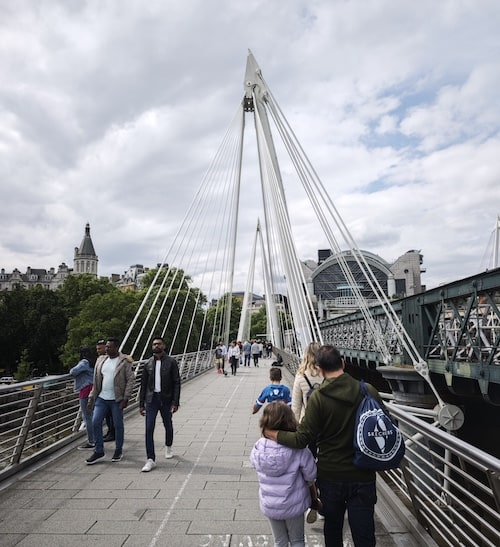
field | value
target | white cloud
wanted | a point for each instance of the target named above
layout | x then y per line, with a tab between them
111	113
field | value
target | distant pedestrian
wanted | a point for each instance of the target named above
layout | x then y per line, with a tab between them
83	373
255	349
113	384
247	352
286	478
160	392
275	391
224	356
233	355
218	359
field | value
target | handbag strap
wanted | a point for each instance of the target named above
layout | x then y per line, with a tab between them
307	380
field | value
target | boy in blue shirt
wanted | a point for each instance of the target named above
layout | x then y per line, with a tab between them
275	391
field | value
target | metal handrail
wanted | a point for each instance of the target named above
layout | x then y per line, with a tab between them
38	417
452	486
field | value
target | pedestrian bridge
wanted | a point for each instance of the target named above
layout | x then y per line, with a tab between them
446	490
207	495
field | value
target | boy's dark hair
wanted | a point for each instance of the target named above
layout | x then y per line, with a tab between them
328	358
278	415
275	374
115	341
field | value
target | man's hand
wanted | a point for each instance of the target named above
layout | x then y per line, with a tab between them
174	409
271	434
142	410
90	406
123	404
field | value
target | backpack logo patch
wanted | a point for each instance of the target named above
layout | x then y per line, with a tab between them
378	443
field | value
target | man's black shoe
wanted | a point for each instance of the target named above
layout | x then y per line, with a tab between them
108	438
117	456
96	456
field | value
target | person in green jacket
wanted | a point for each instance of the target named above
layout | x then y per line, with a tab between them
330	418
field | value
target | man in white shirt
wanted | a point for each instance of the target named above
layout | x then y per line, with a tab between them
113	384
160	392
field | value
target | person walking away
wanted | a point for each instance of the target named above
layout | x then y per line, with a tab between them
247	352
307	370
83	372
330	418
224	357
285	475
218	359
307	377
113	384
160	392
275	391
255	349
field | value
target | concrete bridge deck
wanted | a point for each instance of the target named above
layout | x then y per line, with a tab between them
207	495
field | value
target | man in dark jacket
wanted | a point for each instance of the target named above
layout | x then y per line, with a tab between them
160	392
330	418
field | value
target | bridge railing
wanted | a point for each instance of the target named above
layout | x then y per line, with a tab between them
452	486
40	416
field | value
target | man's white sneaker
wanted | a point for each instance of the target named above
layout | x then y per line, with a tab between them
150	464
168	452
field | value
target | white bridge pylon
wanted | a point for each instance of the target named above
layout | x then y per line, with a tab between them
198	270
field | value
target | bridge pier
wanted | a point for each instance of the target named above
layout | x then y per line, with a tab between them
408	386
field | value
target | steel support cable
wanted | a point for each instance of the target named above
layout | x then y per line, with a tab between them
243	329
302	173
419	363
199	225
182	246
234	175
297	280
282	250
267	174
200	197
309	309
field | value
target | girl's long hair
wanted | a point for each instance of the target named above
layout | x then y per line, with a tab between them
308	364
278	415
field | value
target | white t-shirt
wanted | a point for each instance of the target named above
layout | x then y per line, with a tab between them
157	377
108	379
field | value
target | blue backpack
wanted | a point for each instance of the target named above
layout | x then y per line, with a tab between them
378	443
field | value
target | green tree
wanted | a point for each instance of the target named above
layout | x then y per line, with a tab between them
45	323
258	323
76	289
24	367
101	315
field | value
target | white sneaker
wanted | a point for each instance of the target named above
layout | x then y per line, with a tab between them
150	464
168	452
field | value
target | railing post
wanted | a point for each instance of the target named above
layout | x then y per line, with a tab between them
26	425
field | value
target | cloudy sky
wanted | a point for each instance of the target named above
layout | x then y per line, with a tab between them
112	110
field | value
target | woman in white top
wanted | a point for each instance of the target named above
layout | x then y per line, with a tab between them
301	387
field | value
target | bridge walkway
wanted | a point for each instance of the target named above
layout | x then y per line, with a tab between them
206	495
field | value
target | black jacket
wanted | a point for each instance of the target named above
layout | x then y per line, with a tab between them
170	381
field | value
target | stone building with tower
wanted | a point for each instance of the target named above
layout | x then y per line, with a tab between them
85	261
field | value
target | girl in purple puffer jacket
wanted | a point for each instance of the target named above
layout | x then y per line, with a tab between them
285	475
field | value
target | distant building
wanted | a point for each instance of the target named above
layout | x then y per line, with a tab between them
85	261
131	280
333	295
